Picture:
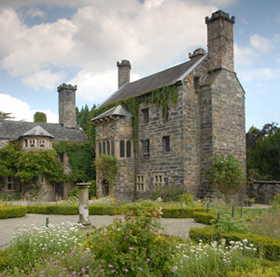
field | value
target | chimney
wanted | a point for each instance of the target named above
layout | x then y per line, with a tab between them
123	72
220	40
67	105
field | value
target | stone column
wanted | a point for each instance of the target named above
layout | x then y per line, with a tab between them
83	204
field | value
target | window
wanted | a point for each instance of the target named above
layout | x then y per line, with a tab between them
32	142
146	148
25	143
140	183
10	183
100	148
122	152
112	147
128	149
166	143
42	143
104	148
159	181
145	113
108	148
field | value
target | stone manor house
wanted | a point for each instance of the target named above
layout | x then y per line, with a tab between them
174	148
40	137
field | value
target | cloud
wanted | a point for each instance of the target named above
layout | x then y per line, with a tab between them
97	87
260	43
245	55
21	110
44	79
260	74
97	36
35	13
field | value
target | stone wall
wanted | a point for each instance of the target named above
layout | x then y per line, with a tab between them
169	166
115	131
263	191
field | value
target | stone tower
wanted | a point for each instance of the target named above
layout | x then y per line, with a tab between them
123	72
221	98
220	40
67	105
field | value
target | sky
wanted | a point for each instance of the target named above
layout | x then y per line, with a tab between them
46	43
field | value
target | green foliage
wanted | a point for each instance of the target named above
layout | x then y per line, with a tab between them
80	158
268	248
12	211
263	152
168	193
31	165
180	212
107	168
259	271
204	218
226	174
276	200
40	117
187	199
92	189
8	156
4	116
53	209
226	223
132	248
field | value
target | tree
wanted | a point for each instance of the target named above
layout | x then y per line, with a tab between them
226	175
40	117
4	116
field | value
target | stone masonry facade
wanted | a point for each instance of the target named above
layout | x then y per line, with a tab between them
207	119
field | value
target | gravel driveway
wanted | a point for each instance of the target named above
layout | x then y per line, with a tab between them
173	226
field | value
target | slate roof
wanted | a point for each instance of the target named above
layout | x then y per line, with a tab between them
164	78
12	130
37	131
118	111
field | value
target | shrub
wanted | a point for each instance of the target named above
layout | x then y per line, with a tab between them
258	272
267	247
187	199
226	223
131	247
205	218
53	209
180	212
12	211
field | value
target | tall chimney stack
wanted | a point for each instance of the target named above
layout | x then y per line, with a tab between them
123	72
220	41
67	105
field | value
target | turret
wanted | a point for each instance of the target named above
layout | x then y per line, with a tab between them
67	105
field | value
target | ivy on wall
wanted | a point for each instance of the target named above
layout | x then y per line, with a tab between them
161	97
80	157
107	167
27	166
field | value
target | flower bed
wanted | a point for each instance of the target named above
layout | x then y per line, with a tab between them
267	247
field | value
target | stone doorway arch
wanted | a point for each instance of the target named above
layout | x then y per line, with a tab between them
105	187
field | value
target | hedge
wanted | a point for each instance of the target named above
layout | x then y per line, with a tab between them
205	218
112	210
267	247
12	211
180	212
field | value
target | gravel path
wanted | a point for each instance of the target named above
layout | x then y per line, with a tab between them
173	226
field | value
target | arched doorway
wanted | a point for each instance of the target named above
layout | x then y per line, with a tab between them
105	187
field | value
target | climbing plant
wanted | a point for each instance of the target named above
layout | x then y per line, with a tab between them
80	158
161	97
107	167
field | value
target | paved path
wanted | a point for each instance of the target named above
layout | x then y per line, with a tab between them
173	226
